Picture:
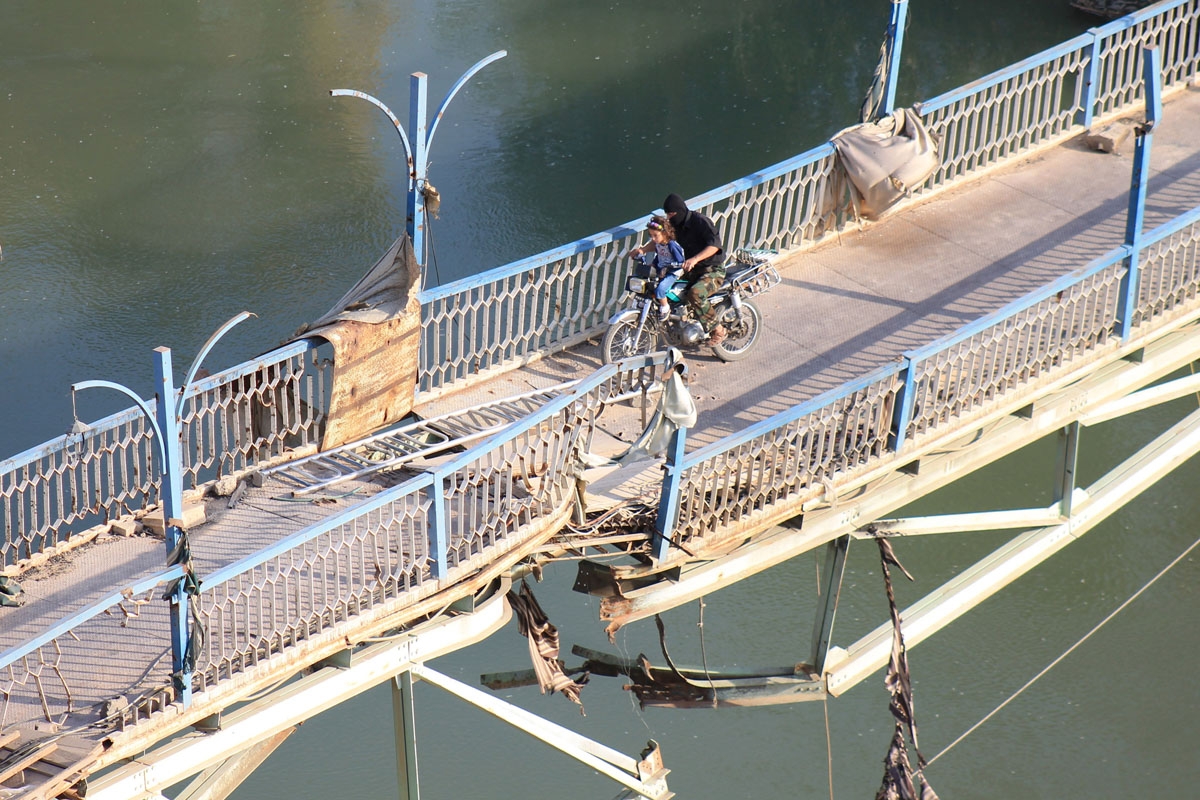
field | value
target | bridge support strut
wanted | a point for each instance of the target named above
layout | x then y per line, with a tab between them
645	776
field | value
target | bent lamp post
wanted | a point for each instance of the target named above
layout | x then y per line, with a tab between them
1136	215
417	151
164	420
895	36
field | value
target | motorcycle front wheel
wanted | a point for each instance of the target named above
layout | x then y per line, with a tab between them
741	331
623	339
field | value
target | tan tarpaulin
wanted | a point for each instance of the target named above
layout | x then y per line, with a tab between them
375	330
886	160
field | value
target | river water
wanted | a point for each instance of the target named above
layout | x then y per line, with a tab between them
164	166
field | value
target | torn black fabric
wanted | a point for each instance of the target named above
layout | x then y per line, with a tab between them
900	782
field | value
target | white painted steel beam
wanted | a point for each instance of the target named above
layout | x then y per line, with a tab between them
404	722
1141	400
623	769
945	462
296	702
218	782
960	523
1023	553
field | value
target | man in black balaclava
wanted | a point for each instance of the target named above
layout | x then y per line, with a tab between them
704	261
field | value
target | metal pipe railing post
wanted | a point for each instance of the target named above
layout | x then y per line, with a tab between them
417	99
1091	80
903	408
668	502
896	43
172	505
438	526
1136	216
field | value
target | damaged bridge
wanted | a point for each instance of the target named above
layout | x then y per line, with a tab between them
185	582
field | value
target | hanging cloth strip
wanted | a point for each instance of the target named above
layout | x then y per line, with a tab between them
900	782
535	626
676	409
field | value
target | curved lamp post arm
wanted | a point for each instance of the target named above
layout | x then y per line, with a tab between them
417	149
437	117
142	404
212	340
165	421
408	151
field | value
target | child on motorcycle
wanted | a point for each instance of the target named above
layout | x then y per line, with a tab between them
668	260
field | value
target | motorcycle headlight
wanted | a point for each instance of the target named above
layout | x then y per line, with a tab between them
635	285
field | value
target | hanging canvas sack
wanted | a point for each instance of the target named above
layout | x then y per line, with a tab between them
886	160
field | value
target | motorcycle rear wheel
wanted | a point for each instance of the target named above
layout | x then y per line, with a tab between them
622	339
741	331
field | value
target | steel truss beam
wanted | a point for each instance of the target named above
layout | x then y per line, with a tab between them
1019	556
217	783
1098	388
646	776
247	727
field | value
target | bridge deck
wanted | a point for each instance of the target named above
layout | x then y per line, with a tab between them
857	302
843	309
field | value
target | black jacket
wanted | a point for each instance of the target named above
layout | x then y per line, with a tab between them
694	232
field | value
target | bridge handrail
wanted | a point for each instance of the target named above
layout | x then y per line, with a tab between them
788	457
636	226
562	296
567	293
1117	70
1022	67
1166	277
425	480
1026	301
1170	227
56	490
69	624
731	478
393	547
409	540
788	416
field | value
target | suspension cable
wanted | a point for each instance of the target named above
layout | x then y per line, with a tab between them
1069	650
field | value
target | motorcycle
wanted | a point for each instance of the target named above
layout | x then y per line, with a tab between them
640	330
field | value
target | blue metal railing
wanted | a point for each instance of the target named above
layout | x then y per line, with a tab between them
564	295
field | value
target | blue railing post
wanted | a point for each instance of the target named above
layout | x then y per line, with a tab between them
896	42
903	409
438	526
1135	218
172	506
165	420
417	98
668	501
1091	79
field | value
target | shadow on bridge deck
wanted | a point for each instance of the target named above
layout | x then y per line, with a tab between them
844	309
857	302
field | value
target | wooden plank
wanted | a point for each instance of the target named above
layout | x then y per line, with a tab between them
19	764
65	767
